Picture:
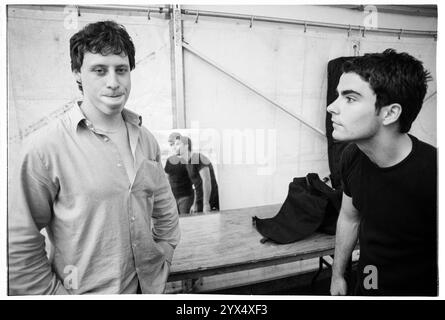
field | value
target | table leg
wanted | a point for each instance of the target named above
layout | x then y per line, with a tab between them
321	262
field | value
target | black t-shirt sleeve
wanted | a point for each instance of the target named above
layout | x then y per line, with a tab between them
348	158
201	162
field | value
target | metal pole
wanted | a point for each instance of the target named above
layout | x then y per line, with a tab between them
153	9
421	33
178	67
252	88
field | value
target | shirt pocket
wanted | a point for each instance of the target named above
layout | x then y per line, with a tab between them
149	184
149	178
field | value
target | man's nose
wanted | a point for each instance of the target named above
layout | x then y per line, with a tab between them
332	108
112	81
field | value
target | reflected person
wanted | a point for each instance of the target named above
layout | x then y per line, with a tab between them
202	175
176	170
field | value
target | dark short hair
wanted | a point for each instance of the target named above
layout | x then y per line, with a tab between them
395	78
104	37
174	136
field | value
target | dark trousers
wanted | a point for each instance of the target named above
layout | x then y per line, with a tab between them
184	204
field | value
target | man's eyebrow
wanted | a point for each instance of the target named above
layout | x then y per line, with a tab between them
106	66
99	66
346	92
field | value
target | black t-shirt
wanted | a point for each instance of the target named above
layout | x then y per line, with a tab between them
178	177
196	162
398	226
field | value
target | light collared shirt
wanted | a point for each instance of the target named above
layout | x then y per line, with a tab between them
107	233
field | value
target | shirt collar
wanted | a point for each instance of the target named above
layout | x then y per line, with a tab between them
132	117
76	116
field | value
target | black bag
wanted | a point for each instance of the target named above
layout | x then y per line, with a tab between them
310	206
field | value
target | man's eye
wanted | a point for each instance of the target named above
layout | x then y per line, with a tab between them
349	99
121	71
99	71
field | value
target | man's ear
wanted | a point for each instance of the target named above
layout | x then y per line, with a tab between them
391	113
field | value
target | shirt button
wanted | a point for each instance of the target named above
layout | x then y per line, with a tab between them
134	245
119	164
133	218
106	139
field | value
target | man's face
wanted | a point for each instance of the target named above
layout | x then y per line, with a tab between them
173	146
354	116
181	148
105	81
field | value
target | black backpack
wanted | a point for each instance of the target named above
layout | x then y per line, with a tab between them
310	206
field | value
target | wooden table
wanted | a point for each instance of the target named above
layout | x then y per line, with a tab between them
227	241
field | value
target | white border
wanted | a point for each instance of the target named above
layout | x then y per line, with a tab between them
3	160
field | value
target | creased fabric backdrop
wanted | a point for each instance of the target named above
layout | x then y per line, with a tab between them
282	61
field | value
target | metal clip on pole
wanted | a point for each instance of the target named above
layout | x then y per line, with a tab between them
305	27
251	22
148	14
349	31
197	17
400	33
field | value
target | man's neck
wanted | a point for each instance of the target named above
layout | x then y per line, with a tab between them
386	149
99	119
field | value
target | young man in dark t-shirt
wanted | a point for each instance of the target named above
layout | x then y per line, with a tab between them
389	178
181	185
202	175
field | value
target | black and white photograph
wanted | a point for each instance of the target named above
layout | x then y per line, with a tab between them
193	150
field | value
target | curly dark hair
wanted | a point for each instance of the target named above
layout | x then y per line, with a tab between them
395	78
104	37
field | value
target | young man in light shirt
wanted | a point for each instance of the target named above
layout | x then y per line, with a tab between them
94	180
